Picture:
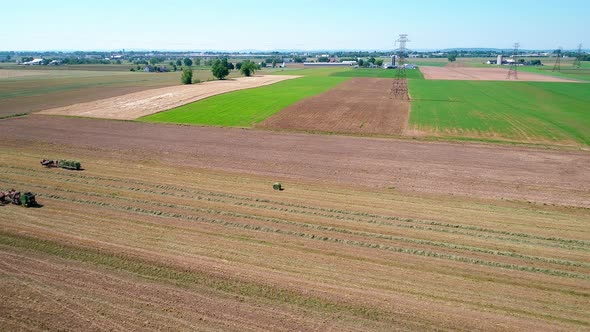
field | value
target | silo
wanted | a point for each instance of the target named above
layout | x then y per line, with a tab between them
499	60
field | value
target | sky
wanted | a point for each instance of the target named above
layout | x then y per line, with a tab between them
286	25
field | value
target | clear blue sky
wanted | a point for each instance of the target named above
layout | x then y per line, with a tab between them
292	24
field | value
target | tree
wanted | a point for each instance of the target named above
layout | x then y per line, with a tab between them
274	62
248	68
299	59
452	58
371	60
361	62
219	70
187	76
178	62
238	65
188	62
323	59
154	61
379	62
230	66
197	61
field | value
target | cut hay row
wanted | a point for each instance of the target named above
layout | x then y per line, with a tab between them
145	207
312	226
344	216
286	207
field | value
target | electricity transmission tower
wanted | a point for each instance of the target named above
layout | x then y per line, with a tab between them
578	61
401	53
513	71
557	65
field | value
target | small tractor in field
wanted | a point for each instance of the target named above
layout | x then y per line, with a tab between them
67	164
15	197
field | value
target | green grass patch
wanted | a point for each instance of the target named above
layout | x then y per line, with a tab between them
377	73
430	63
245	108
527	112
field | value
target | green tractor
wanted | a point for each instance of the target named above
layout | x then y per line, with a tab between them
15	197
28	200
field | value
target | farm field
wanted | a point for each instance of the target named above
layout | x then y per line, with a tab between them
360	105
142	241
135	105
567	72
248	107
487	171
377	73
527	112
484	74
29	90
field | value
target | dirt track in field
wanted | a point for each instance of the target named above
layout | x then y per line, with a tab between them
561	177
360	105
138	104
483	74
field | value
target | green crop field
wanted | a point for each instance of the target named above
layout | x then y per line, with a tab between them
377	73
247	107
428	63
528	112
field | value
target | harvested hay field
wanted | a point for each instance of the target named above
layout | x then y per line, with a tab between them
136	105
483	74
468	170
150	244
360	105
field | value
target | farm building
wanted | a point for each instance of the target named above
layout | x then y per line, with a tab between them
34	62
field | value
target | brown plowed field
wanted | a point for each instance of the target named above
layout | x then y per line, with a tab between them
140	242
360	105
561	177
135	105
482	74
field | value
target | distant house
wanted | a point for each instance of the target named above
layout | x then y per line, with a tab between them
34	62
149	69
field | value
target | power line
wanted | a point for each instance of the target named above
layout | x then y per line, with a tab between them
578	61
513	71
557	65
